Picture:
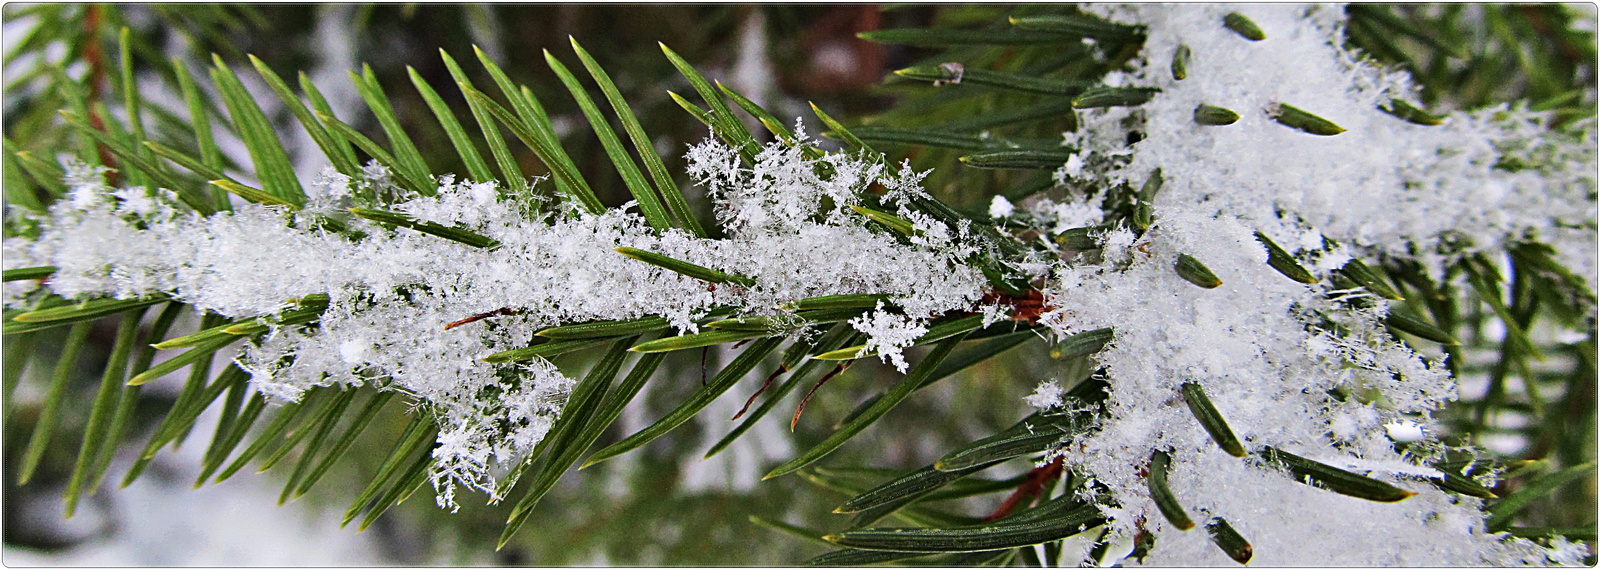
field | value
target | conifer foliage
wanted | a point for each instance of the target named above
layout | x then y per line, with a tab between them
1266	269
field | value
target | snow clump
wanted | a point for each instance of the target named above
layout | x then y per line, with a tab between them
1262	346
391	293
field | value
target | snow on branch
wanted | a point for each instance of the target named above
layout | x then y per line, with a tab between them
1283	361
393	291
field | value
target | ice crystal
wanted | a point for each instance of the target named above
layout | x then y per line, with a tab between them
888	334
1000	207
1046	396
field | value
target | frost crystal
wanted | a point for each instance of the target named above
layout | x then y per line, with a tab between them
888	334
1000	207
1046	396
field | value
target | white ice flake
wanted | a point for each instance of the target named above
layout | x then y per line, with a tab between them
888	334
1000	207
1046	396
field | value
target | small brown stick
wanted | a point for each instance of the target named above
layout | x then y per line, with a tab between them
1029	489
97	80
1026	308
824	380
481	316
91	51
1142	541
703	353
764	386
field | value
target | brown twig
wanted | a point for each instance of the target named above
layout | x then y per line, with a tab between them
802	407
1026	308
764	386
481	316
96	59
1029	489
703	352
91	50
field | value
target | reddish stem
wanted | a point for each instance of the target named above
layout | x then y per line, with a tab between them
1026	308
1029	489
764	386
802	407
97	81
91	51
481	316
